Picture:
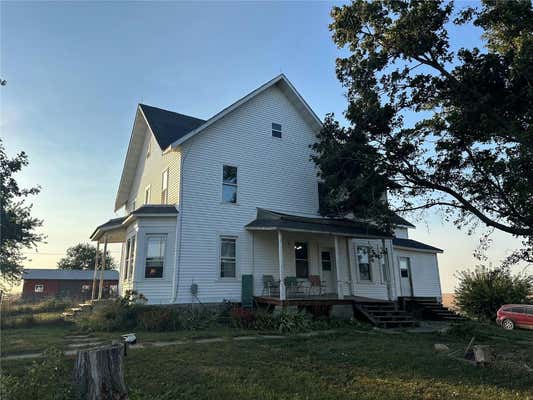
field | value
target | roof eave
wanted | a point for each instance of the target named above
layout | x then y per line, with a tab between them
245	99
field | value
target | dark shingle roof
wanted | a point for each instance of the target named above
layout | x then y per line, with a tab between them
66	274
267	219
413	244
168	126
155	209
397	220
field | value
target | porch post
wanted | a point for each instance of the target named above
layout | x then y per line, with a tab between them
340	286
282	294
102	269
93	294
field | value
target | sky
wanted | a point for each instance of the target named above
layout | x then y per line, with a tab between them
76	72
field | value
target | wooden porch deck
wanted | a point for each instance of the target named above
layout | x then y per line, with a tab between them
325	300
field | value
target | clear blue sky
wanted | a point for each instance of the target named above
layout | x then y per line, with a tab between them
76	72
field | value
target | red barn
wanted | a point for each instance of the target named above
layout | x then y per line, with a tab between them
75	284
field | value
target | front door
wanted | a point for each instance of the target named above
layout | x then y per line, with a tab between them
406	282
327	265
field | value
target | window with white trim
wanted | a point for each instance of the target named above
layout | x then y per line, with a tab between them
147	194
229	184
404	267
363	263
85	288
130	258
127	259
228	258
155	256
38	288
276	130
301	257
164	187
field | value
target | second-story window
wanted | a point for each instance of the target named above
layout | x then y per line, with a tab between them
276	130
164	187
147	195
229	184
149	148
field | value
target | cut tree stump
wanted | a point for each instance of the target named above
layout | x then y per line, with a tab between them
99	374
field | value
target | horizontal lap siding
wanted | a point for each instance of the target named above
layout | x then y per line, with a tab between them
424	273
150	170
272	173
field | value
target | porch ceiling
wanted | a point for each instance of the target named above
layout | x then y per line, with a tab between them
271	221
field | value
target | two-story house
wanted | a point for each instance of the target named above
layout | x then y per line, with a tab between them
208	202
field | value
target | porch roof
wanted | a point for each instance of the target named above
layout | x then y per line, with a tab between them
270	221
115	227
415	245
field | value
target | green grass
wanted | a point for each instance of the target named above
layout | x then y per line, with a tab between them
344	365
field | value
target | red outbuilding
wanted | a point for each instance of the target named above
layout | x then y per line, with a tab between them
75	284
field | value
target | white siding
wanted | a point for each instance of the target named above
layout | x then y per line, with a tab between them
150	171
424	272
401	233
273	173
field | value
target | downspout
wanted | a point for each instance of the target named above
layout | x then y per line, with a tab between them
179	235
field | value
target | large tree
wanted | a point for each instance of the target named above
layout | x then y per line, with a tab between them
18	229
82	256
449	128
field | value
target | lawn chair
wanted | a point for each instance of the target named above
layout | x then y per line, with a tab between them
269	285
316	283
292	286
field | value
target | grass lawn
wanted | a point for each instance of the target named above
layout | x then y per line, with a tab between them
344	365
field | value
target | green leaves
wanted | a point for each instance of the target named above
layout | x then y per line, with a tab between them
467	145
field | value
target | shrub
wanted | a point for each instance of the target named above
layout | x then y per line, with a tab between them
46	379
481	292
110	316
291	321
159	319
242	318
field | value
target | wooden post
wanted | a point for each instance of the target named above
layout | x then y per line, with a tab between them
104	256
93	295
282	293
340	286
99	373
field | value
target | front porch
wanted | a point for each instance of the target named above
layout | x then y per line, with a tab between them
297	260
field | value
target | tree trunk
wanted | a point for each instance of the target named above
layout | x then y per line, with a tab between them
99	374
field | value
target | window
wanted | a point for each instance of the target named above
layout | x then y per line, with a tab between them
147	195
276	130
164	187
326	260
529	310
85	288
302	260
518	310
131	261
229	184
404	267
39	288
155	256
228	257
149	148
363	262
127	259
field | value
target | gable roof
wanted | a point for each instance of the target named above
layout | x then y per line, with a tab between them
272	220
172	129
413	244
65	274
168	126
285	86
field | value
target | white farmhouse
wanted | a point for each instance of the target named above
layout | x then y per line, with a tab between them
227	209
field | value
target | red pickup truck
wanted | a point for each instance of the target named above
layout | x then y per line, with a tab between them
510	316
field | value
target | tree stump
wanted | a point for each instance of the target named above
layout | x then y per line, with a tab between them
99	374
